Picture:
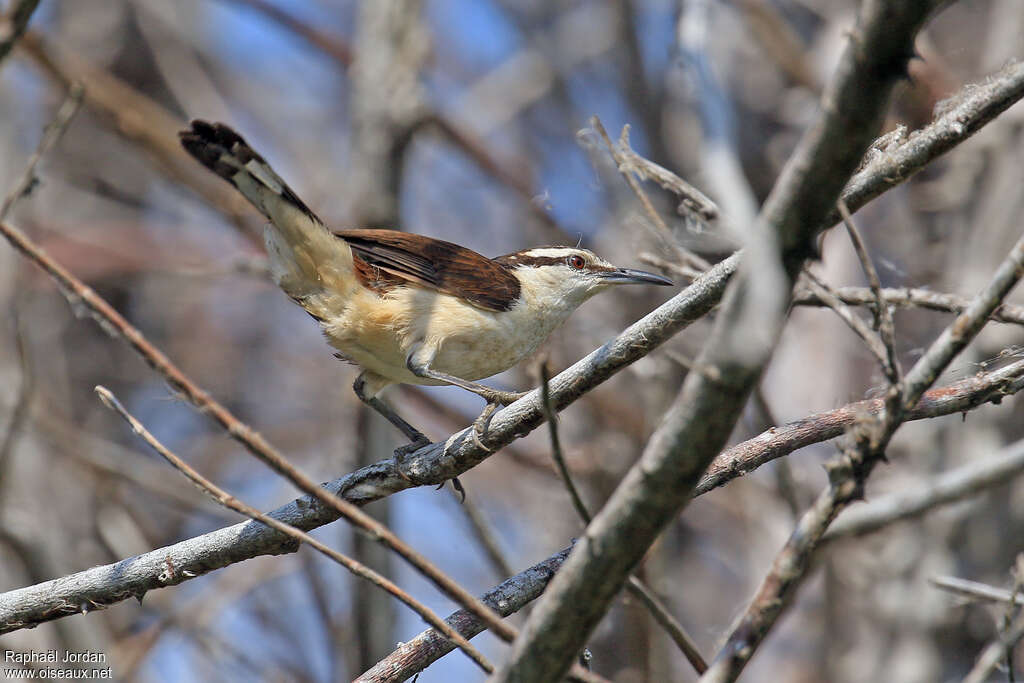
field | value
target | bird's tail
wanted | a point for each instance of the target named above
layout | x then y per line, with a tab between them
304	255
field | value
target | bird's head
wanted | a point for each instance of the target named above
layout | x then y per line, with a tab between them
568	276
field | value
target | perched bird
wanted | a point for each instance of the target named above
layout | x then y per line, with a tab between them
407	308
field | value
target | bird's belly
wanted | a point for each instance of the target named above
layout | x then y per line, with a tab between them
481	355
488	343
461	340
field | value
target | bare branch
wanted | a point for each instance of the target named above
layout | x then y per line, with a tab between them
507	598
997	651
628	172
973	590
232	503
692	199
699	421
957	484
910	298
777	442
54	130
825	294
102	586
886	328
868	441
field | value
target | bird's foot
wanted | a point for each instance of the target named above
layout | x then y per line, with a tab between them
495	400
497	397
402	451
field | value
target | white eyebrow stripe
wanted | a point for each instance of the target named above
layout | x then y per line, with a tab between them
551	252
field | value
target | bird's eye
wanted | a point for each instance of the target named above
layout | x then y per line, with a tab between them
576	262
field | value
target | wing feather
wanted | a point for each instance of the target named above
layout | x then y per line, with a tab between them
436	264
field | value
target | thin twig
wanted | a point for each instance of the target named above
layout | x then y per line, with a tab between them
54	130
996	651
23	401
974	590
865	448
910	298
684	255
692	198
114	322
824	293
949	487
886	327
634	585
556	446
664	617
485	534
227	500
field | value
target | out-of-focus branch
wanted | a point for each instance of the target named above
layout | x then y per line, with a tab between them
959	397
630	171
13	25
958	484
113	322
996	651
54	130
634	585
232	503
705	411
332	46
866	447
142	120
909	298
102	586
973	590
19	414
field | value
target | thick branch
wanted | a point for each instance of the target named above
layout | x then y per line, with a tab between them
102	586
777	442
699	422
867	443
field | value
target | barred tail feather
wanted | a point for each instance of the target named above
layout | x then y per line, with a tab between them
301	250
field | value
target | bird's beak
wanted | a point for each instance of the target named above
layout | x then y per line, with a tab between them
628	276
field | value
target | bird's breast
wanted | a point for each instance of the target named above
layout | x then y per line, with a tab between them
472	343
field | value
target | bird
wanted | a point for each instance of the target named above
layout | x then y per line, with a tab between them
406	308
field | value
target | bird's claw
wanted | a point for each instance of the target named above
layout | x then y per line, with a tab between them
483	421
495	399
457	485
402	451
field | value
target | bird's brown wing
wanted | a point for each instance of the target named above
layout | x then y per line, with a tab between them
436	264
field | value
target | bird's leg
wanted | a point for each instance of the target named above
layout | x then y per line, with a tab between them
417	439
495	397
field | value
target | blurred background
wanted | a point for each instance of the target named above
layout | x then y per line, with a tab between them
469	121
